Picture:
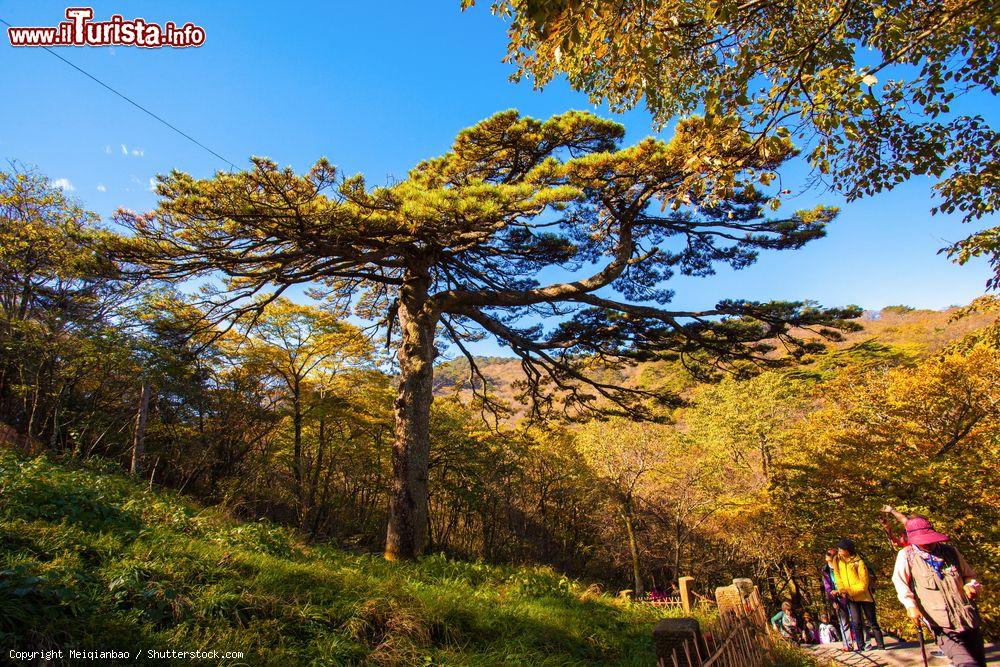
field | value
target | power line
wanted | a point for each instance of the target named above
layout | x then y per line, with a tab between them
133	102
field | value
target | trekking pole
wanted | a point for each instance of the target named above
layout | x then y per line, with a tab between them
923	649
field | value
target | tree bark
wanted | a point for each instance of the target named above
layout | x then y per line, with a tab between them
633	548
297	466
314	482
406	536
794	590
139	438
679	537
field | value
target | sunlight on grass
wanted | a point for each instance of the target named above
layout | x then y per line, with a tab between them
92	560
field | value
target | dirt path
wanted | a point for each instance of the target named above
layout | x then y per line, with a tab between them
897	654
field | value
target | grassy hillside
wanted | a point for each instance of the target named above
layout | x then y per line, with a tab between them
92	560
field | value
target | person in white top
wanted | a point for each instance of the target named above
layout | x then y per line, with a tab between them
937	586
827	633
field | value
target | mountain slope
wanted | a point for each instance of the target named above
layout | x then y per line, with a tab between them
94	561
909	331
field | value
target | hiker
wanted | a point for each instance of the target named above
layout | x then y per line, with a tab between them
935	583
898	539
810	629
854	583
837	601
827	633
786	623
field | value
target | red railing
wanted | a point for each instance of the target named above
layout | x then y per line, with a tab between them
667	601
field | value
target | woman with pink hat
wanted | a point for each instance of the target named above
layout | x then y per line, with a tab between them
935	583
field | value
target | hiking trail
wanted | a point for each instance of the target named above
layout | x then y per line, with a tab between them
897	654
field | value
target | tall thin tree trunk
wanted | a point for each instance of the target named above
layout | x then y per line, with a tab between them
54	436
633	548
314	509
139	438
794	590
406	536
298	470
152	473
36	393
679	538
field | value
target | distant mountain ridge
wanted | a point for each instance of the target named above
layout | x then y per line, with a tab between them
916	331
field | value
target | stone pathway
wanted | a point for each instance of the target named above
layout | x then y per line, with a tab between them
897	654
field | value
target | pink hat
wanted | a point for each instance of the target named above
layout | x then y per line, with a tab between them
920	532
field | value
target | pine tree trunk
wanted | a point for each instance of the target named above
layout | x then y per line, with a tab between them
139	439
406	536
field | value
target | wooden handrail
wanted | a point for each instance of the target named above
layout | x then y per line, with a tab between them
739	638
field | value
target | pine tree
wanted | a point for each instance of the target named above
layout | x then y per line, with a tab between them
457	250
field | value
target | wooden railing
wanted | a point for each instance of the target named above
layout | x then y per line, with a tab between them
740	648
738	638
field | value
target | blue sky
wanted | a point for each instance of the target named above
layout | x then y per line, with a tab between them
376	87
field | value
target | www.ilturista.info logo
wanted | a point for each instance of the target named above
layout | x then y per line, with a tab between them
80	30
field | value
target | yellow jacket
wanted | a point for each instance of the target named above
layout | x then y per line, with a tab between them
852	578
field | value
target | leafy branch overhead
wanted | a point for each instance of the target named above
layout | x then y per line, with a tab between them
513	198
879	91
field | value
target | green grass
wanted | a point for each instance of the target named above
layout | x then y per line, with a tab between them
783	654
93	561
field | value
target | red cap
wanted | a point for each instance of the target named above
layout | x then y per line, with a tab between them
920	532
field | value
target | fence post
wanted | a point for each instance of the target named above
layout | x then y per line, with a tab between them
738	638
687	593
744	585
670	637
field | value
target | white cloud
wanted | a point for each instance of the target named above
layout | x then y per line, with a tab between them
135	179
107	150
101	187
152	184
63	184
135	152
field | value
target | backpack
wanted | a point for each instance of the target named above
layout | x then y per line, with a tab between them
871	575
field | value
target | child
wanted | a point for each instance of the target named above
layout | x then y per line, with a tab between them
810	629
784	622
827	632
